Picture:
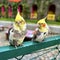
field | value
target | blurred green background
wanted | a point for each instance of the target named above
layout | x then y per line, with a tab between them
27	4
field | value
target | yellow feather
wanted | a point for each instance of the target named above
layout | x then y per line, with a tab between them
18	17
42	20
21	24
42	29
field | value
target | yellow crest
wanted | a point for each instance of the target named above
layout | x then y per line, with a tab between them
20	23
41	21
18	17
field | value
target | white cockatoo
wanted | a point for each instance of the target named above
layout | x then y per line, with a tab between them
42	30
17	33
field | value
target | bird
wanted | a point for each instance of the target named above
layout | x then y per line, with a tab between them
18	31
41	31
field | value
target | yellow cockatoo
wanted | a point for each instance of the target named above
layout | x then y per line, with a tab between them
20	23
17	33
41	30
42	25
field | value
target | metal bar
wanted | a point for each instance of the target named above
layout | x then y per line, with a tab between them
7	52
20	57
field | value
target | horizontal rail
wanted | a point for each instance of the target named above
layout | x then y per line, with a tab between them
7	52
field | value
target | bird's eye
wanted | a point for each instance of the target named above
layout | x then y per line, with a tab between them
15	22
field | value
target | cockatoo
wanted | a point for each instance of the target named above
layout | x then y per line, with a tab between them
17	33
42	30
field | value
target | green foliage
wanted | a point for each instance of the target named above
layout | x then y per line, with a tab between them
53	22
26	8
31	21
58	19
26	11
14	5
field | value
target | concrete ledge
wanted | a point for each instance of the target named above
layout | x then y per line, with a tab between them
52	28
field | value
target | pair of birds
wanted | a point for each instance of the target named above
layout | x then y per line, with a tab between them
19	30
